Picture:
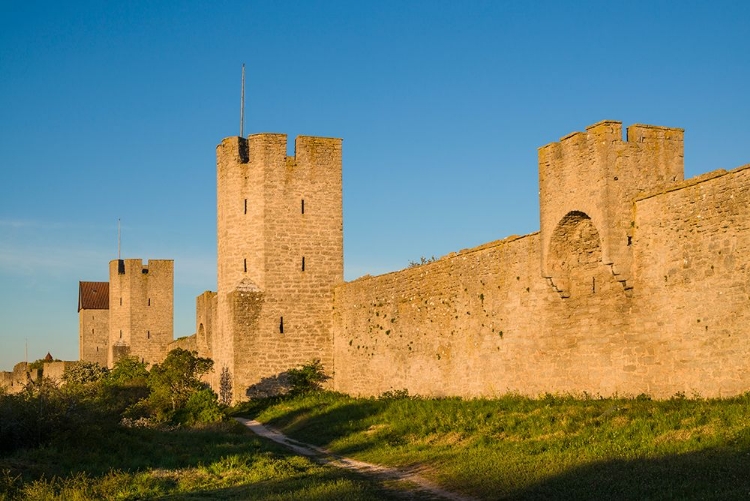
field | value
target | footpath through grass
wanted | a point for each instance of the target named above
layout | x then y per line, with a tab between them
549	448
222	461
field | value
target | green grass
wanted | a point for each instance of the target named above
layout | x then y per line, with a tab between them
548	448
219	462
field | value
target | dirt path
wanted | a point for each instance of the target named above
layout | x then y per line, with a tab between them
420	487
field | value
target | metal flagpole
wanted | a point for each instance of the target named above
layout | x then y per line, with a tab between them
242	104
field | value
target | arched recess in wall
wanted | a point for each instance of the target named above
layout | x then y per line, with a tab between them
204	341
575	251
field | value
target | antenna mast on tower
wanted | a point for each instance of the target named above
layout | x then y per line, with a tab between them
242	104
119	234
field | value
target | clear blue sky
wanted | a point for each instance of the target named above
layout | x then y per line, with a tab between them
113	110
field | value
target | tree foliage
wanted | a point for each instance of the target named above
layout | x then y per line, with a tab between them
83	372
128	371
92	398
309	377
174	380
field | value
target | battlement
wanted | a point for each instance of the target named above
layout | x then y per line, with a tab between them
125	266
141	308
609	132
270	148
597	174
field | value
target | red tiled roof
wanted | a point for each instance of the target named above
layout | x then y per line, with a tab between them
93	296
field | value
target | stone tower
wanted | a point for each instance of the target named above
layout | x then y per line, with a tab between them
280	253
587	186
93	322
141	309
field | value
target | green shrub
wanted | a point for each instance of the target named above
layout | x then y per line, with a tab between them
126	371
174	381
307	378
35	415
201	408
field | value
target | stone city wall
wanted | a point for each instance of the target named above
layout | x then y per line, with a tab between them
693	284
93	335
485	322
280	253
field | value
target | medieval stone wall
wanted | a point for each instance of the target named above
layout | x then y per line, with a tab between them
551	312
93	336
280	252
637	282
141	309
205	316
16	381
184	343
482	322
693	284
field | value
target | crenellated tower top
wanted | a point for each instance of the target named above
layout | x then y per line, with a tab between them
280	252
596	175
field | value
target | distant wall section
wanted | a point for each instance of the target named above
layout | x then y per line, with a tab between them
93	336
141	309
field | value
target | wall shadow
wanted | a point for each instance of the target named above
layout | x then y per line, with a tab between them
709	474
271	386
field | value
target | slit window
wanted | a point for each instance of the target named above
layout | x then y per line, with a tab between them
303	206
120	301
148	334
246	206
149	301
244	265
120	333
281	325
303	263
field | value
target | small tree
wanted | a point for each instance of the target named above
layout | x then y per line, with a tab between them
307	378
125	385
173	381
128	371
225	386
201	408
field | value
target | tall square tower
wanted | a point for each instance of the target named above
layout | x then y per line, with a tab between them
280	253
141	309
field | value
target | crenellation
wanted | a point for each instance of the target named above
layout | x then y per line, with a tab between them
141	317
637	282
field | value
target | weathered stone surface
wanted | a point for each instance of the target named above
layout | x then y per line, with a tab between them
280	252
644	287
141	309
637	282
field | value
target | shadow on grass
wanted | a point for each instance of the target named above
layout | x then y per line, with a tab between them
339	421
721	472
231	449
116	448
308	423
330	484
709	474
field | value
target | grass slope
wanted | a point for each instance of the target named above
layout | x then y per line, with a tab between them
547	448
219	462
